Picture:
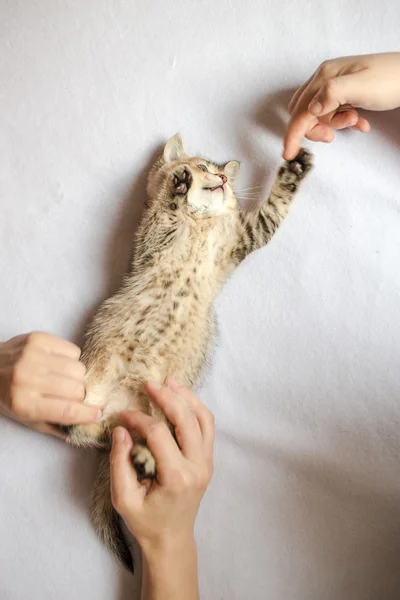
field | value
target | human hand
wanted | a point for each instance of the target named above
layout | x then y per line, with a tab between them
42	382
329	98
163	512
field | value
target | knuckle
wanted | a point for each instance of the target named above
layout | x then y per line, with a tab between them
203	478
74	369
19	404
28	356
156	429
324	68
208	417
330	87
19	374
118	501
35	338
179	481
211	418
81	369
167	397
69	413
79	391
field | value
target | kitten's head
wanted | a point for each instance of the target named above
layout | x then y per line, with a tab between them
193	185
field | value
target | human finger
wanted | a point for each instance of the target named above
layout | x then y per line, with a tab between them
159	440
337	91
204	415
342	119
362	125
53	344
63	365
126	492
295	98
298	127
61	387
179	413
35	366
47	429
30	406
321	133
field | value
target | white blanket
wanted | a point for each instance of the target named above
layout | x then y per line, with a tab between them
305	383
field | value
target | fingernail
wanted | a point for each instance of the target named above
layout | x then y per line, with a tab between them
99	414
315	107
155	385
119	435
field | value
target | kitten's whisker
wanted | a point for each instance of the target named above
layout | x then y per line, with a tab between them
249	195
256	187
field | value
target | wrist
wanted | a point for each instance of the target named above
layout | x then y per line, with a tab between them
170	569
168	547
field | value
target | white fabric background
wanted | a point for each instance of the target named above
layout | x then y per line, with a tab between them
305	501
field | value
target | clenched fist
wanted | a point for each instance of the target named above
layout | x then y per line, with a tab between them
42	382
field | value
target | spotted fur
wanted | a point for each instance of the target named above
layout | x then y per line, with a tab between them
160	323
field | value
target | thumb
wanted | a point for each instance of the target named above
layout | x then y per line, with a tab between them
125	488
345	89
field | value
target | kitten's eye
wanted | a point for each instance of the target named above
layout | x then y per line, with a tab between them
202	168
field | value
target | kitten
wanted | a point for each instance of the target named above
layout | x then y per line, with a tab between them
160	323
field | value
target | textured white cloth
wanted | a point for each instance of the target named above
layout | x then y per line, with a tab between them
305	384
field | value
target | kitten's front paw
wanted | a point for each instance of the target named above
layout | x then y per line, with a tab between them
293	171
182	181
300	165
143	462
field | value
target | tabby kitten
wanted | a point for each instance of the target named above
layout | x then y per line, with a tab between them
160	323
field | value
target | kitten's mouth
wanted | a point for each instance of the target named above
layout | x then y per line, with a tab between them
217	187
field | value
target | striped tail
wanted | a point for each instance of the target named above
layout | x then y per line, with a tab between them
105	518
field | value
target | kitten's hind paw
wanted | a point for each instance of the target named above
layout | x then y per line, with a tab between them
143	462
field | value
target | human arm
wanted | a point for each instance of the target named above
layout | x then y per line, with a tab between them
329	99
161	514
42	382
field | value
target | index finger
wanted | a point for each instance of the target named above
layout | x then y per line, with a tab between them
159	440
298	127
61	412
294	99
53	345
204	416
182	417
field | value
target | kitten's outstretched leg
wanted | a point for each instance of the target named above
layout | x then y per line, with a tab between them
258	227
288	179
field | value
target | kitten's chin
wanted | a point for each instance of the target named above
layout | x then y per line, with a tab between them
230	204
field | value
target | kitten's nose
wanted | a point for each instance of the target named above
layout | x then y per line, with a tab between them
223	177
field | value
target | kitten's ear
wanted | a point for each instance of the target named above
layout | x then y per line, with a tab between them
174	149
231	169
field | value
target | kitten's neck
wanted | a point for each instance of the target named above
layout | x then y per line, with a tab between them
163	239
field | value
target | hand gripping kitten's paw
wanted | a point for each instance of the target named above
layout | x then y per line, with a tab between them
182	181
143	462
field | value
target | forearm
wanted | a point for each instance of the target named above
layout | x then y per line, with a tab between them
170	572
